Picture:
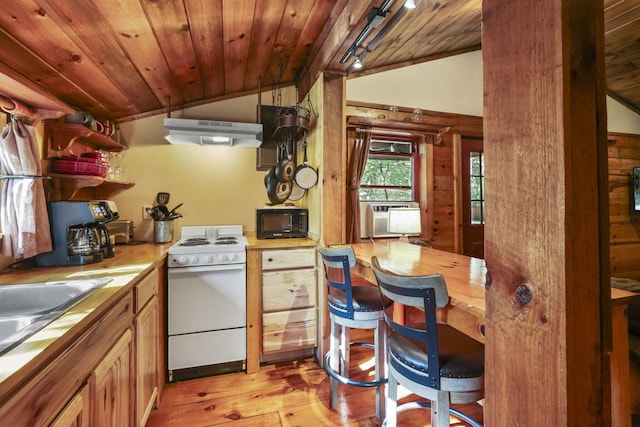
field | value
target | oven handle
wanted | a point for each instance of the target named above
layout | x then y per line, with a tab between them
223	267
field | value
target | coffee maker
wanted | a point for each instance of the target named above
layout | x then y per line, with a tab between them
78	233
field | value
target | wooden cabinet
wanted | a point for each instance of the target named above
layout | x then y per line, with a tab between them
111	396
289	299
77	413
106	375
48	392
147	338
73	139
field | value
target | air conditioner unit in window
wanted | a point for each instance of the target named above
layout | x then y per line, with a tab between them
378	218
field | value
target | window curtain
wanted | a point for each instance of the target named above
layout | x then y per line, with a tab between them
356	169
23	209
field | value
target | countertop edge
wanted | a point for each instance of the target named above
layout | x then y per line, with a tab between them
259	244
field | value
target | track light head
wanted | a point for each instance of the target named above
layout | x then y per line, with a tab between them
357	63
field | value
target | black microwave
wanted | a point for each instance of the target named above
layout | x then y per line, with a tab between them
278	223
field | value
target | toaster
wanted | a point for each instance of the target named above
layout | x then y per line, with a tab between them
120	231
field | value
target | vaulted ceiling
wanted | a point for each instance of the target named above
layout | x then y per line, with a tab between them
122	59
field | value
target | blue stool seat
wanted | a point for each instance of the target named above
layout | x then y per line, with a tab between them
365	300
460	355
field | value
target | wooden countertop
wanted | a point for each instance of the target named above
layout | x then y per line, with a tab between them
464	275
130	263
257	244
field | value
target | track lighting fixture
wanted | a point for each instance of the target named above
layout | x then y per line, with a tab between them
357	63
374	18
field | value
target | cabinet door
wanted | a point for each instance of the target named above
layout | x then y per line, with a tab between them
288	289
76	413
288	258
111	397
146	360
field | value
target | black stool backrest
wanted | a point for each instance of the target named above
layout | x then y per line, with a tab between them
426	293
337	263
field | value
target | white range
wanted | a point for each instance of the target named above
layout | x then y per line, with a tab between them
207	302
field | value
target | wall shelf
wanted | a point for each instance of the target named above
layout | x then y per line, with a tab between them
69	139
74	139
84	187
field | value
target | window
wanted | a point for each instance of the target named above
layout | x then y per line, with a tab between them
476	181
390	172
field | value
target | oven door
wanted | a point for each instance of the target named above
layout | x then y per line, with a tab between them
206	298
207	317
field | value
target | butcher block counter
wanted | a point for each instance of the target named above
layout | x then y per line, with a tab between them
281	298
82	327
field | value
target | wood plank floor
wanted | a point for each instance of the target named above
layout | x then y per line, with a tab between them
294	393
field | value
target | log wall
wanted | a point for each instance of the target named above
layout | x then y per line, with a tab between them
624	155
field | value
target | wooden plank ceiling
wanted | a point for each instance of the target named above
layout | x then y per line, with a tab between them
122	59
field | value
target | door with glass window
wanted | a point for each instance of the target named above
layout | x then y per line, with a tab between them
472	197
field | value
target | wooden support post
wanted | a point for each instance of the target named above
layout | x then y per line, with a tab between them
546	235
333	183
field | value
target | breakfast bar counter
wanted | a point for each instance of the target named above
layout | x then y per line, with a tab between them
465	278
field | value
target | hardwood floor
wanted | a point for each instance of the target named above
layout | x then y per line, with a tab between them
294	393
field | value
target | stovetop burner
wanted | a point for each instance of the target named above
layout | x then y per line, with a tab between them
194	241
225	241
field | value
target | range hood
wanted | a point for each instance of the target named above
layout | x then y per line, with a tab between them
208	132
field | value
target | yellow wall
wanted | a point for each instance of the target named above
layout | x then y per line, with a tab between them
218	185
452	85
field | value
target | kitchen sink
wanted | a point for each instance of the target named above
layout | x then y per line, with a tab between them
28	307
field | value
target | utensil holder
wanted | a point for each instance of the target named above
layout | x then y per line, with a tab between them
163	231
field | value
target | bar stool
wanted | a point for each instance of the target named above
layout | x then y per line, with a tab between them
432	360
352	306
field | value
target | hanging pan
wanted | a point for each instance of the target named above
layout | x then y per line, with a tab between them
297	192
305	176
285	168
277	191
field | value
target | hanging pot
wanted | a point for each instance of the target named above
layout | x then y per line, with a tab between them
281	192
304	175
270	181
297	192
269	177
278	192
285	167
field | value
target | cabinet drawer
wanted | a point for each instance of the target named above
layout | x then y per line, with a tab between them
145	289
289	330
291	258
287	289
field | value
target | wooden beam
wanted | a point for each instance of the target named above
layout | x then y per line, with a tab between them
333	184
346	18
545	150
334	158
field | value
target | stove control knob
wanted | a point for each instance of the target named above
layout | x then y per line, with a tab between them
223	258
194	259
181	260
208	259
233	257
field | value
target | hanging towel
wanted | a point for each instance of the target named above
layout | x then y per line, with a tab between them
23	208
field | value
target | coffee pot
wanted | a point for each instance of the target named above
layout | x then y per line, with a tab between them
78	235
83	244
